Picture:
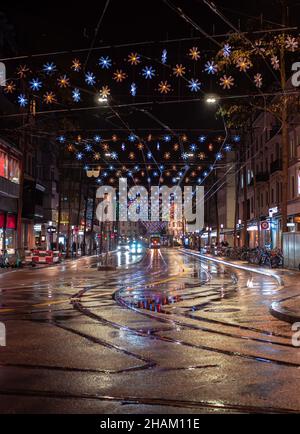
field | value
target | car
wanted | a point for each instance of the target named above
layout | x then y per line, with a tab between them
136	248
123	247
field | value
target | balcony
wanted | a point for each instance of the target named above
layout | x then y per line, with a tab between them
8	188
262	177
276	166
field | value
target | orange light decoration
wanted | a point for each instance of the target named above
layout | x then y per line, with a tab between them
49	98
201	156
63	81
167	156
76	65
114	138
104	92
210	147
131	155
179	70
134	59
184	138
105	146
10	87
97	156
176	147
140	146
194	53
70	148
119	76
22	71
164	87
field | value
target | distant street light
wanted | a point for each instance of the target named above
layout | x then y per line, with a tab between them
211	99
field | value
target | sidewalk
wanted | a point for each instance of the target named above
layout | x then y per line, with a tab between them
287	308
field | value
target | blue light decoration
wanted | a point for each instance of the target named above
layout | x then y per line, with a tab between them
228	148
22	100
97	138
105	174
205	174
202	139
99	181
49	68
211	167
61	139
114	155
158	146
123	147
167	138
79	155
180	174
193	147
132	138
105	62
185	155
35	84
133	89
148	72
86	167
149	180
90	78
76	95
194	85
199	180
236	139
164	56
149	155
219	156
161	167
211	67
88	147
129	174
155	173
136	168
174	180
111	168
227	50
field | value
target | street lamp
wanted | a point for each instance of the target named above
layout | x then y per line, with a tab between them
211	99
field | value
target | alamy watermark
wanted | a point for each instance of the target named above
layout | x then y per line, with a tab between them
161	203
2	335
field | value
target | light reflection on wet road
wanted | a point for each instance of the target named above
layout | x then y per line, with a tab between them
170	333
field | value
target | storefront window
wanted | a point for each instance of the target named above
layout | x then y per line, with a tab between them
9	167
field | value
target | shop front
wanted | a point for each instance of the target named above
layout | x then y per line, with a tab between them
8	232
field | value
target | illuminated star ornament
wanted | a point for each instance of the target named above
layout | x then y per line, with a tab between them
22	100
10	87
291	44
226	50
243	64
258	80
49	98
164	56
194	85
63	81
35	84
148	72
179	70
104	92
76	95
134	59
90	78
22	71
49	68
194	53
167	138
211	67
105	62
164	87
76	65
132	138
226	82
275	63
119	76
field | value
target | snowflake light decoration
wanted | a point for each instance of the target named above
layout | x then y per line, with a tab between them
104	92
237	138
194	53
61	139
243	64
134	59
194	85
79	155
131	155
88	147
9	87
97	138
275	62
167	155
133	89
140	146
76	65
148	72
105	62
202	139
63	81
185	155
226	82
132	138
210	67
114	155
22	71
97	156
119	76
179	70
291	44
193	147
201	156
258	80
164	56
149	155
22	100
76	95
167	138
49	98
227	50
35	84
49	68
227	148
164	87
90	78
219	156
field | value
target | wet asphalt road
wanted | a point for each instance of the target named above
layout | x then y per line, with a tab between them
169	334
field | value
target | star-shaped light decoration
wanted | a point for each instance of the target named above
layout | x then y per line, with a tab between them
76	95
275	62
63	81
258	80
35	84
119	76
22	71
131	155
90	78
148	72
132	138
243	64
9	87
164	87
97	156
49	98
49	68
133	89
291	44
176	147
105	147
164	56
194	53
140	146
105	62
194	85
76	65
211	67
201	156
226	82
22	100
226	50
134	58
167	155
104	92
179	70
